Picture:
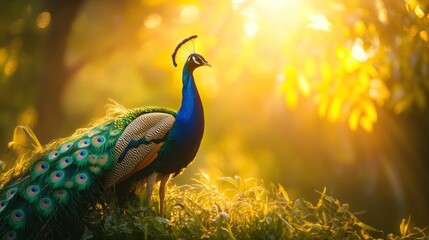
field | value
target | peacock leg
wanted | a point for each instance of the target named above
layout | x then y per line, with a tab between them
164	181
151	180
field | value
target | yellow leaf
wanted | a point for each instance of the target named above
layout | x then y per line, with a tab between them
359	28
403	228
283	192
370	111
323	107
291	99
335	110
419	11
325	69
354	118
310	67
366	124
304	86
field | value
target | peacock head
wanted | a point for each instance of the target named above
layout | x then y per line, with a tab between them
194	61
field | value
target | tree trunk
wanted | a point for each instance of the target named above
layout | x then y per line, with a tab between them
54	75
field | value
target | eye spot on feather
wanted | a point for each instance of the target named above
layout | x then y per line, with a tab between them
11	235
98	141
17	218
61	196
45	203
41	167
114	132
69	184
11	193
82	181
103	159
65	147
96	170
3	205
93	132
83	143
81	157
56	177
65	162
92	159
53	155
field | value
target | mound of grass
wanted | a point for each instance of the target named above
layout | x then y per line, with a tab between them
233	208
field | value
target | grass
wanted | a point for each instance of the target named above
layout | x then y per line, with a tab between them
234	208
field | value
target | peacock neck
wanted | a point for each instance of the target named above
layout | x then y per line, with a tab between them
191	109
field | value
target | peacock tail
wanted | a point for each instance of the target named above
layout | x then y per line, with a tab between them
58	180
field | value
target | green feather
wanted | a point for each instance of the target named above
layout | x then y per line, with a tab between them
56	179
81	157
45	206
39	169
61	196
10	235
62	176
3	205
17	219
31	193
82	181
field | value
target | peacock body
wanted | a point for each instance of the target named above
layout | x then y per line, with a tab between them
49	188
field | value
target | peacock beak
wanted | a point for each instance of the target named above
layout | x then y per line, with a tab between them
207	64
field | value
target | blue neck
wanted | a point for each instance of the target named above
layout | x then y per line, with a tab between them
191	110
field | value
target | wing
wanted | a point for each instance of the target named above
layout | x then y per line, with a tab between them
138	145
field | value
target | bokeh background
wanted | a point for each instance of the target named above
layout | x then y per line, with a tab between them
302	92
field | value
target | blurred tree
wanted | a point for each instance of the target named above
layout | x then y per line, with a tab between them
32	56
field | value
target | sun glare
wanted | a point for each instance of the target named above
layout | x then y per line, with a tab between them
319	22
358	52
251	28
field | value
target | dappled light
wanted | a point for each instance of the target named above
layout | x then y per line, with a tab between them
308	94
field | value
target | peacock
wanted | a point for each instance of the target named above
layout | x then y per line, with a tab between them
49	187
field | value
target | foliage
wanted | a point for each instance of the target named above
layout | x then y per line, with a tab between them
371	54
235	208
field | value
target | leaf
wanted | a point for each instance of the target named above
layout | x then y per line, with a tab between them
403	228
283	192
229	180
366	226
24	141
354	118
335	110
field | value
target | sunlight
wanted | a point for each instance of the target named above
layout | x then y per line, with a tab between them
189	13
251	28
319	22
358	52
153	20
43	20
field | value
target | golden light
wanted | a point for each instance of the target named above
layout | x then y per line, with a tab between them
424	35
304	86
358	52
10	67
189	13
3	55
419	11
152	21
319	22
43	20
382	12
251	28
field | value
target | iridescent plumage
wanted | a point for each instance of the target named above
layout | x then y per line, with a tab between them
50	187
